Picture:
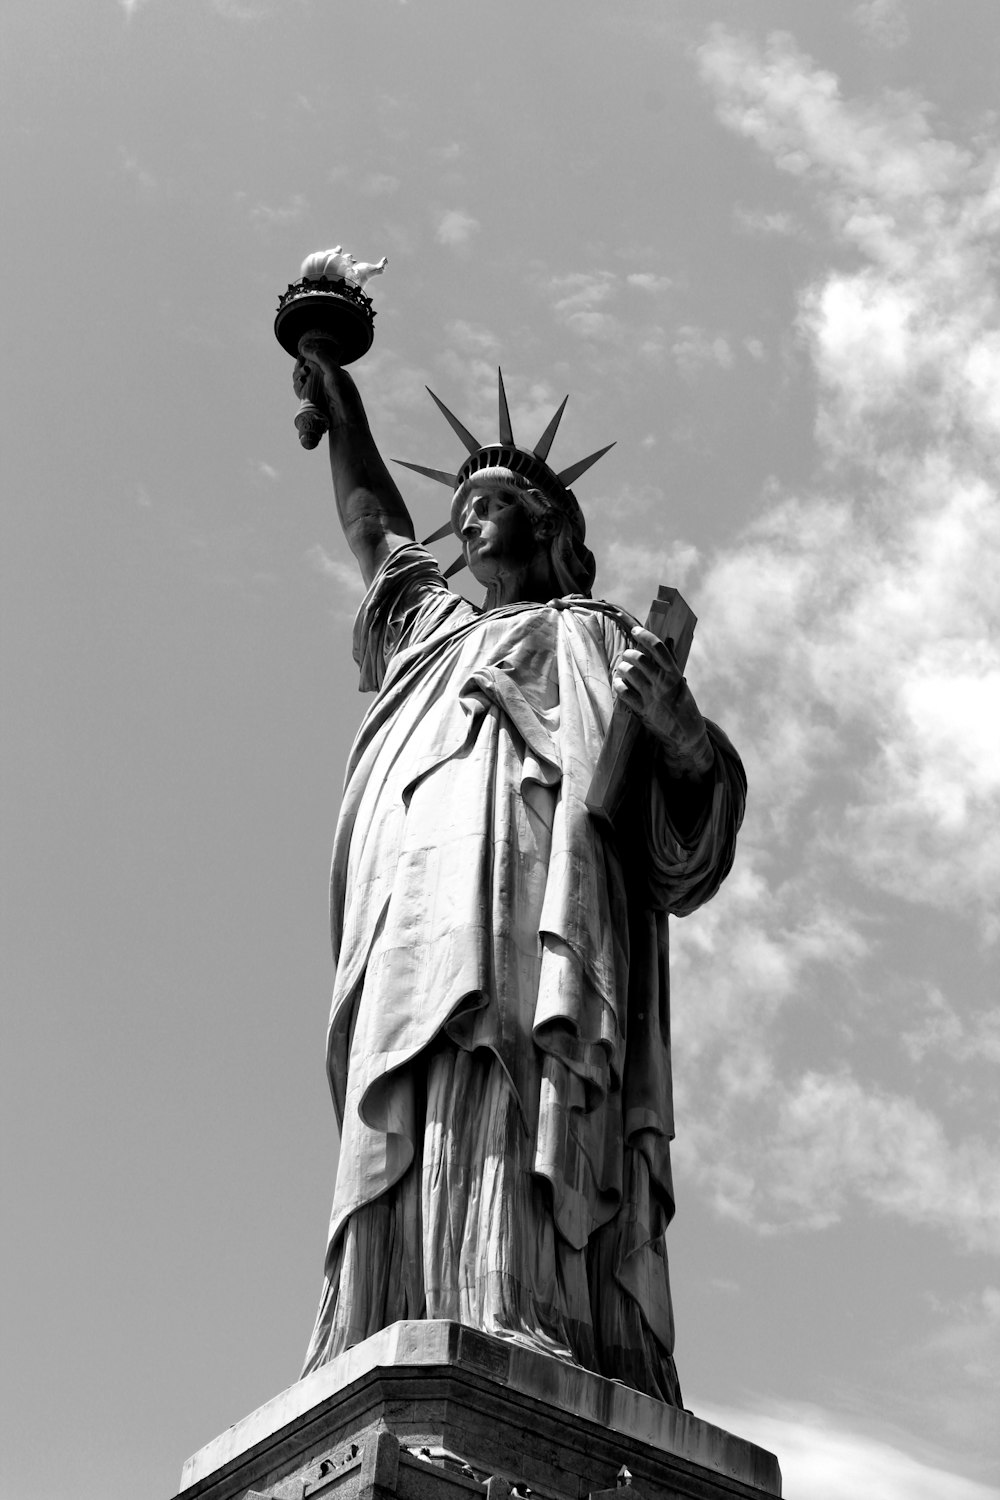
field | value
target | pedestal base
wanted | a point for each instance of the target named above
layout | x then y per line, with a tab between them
435	1411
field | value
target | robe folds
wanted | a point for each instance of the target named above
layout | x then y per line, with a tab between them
499	1039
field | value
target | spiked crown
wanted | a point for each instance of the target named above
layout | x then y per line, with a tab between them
528	465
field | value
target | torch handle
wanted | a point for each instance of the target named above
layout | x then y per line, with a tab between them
310	420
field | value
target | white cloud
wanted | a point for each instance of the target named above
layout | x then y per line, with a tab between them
276	216
230	10
795	113
473	338
694	349
872	603
582	291
763	224
581	300
146	184
942	1031
833	1136
883	22
456	227
823	1458
630	573
588	303
647	281
349	587
451	152
244	10
776	1144
950	1369
380	185
852	634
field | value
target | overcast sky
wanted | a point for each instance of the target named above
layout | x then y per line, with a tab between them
756	240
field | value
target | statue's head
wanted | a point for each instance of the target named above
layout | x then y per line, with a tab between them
542	494
553	522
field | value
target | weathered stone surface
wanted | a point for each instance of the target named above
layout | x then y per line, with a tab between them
429	1410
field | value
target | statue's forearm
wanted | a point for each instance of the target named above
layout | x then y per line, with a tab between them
370	507
687	791
368	502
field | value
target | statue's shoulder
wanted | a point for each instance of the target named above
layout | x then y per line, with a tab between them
615	622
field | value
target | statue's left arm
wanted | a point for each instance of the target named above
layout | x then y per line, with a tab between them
649	682
698	786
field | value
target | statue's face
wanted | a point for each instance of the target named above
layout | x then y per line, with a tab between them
499	534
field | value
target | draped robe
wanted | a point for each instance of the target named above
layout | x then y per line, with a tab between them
499	1039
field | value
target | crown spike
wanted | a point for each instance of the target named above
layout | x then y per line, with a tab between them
455	567
451	480
506	431
436	536
541	449
463	433
581	466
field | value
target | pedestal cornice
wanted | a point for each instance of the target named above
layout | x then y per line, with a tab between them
447	1408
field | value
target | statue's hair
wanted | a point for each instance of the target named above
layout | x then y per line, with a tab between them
572	560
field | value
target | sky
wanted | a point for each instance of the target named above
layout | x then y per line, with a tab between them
757	243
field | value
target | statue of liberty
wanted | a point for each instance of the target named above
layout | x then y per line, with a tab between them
499	1039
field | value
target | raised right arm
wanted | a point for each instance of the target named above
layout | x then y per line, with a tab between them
371	509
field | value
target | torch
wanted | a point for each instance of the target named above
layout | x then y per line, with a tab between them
329	301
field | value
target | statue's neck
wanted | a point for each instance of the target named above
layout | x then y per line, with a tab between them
534	584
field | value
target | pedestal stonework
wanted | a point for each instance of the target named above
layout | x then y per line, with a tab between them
435	1411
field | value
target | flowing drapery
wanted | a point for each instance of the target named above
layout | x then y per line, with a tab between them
499	1042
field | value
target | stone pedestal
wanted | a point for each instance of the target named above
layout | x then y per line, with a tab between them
435	1411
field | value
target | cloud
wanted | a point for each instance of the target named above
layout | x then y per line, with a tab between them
581	302
833	1136
795	113
589	304
345	576
942	1032
765	224
694	348
633	571
380	185
583	291
230	10
823	1458
871	600
267	216
456	228
961	1360
851	636
882	22
647	281
244	10
473	339
453	151
146	184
